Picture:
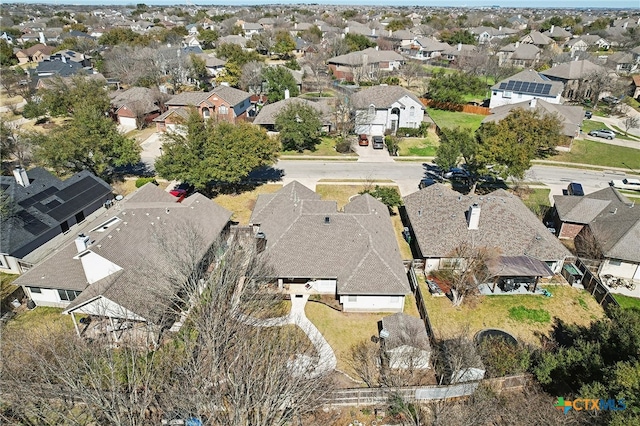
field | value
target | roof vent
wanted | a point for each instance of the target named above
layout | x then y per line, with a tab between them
82	242
473	216
384	333
327	220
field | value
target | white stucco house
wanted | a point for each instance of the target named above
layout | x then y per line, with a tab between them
379	109
315	249
525	86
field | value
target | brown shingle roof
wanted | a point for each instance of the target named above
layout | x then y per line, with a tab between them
381	96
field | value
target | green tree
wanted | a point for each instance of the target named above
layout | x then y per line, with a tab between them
299	126
460	36
277	80
399	24
388	195
208	37
510	144
234	53
357	42
90	141
63	97
284	44
6	54
198	71
117	36
215	153
231	74
452	87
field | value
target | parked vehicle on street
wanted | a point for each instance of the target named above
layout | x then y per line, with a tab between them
575	188
588	115
629	184
363	140
610	100
378	142
603	133
426	182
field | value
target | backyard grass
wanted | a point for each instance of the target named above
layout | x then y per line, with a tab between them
6	286
600	154
537	199
419	147
242	204
567	303
627	302
326	147
452	119
40	319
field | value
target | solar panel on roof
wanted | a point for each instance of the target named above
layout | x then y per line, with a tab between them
68	209
547	89
53	204
503	85
517	86
41	207
27	203
76	188
510	84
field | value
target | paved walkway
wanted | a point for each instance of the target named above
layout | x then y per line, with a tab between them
326	360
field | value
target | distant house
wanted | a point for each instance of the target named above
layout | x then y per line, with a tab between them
575	76
538	39
570	116
424	48
635	86
364	64
232	39
525	86
442	219
520	55
558	33
623	62
489	34
457	53
379	109
134	107
214	65
222	103
116	268
405	342
36	53
268	113
44	207
314	248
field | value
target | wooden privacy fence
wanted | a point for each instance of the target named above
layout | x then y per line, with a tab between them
374	396
450	106
422	307
593	285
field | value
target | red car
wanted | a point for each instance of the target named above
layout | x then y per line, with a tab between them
363	140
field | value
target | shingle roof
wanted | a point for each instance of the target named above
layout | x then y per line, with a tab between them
133	244
578	209
532	76
574	70
372	56
438	218
357	247
538	38
133	97
44	205
570	115
405	330
518	266
268	113
381	96
229	94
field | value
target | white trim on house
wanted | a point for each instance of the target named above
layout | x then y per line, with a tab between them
102	306
378	303
620	268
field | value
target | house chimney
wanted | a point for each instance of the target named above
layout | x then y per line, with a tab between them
286	93
43	40
473	218
376	47
64	59
295	25
373	31
21	176
551	29
82	242
346	30
459	47
500	28
261	242
532	103
517	44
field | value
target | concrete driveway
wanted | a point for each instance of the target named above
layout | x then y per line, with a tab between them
366	154
151	149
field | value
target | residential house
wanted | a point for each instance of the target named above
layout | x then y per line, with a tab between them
442	220
635	86
401	38
268	113
558	33
623	62
364	64
425	48
313	247
456	54
6	37
191	41
379	109
118	266
232	39
517	22
523	87
36	53
135	107
575	76
570	116
405	342
538	39
222	103
585	42
489	34
214	65
519	55
44	207
251	28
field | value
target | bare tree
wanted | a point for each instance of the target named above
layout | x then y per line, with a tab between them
469	270
344	124
16	143
410	72
251	78
631	122
364	358
316	63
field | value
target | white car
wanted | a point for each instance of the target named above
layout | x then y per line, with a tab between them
630	184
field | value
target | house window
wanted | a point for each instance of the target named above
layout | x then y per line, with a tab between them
613	262
394	299
206	113
412	112
68	295
223	110
372	109
35	290
506	95
353	298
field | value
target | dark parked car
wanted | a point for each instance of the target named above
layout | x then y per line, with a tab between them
456	173
575	188
363	140
610	100
588	115
426	182
378	142
434	176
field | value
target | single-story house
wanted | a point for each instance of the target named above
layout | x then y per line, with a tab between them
520	55
524	86
222	103
312	247
379	109
268	113
405	342
43	208
441	220
134	107
424	48
119	267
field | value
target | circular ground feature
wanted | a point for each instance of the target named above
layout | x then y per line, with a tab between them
495	333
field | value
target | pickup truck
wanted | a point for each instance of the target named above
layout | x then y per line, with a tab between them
626	183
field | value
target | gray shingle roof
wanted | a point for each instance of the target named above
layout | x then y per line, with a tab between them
133	97
532	76
405	330
357	247
381	96
574	70
372	55
133	244
578	209
268	113
438	218
229	94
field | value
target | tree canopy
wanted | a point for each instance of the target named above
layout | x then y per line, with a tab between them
460	36
277	80
212	152
452	87
284	44
299	127
357	42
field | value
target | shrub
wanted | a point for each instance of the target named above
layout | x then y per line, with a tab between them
502	358
343	145
143	181
392	143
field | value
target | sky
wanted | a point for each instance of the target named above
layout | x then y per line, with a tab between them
454	3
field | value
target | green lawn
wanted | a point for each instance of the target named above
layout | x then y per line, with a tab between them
571	305
325	147
627	302
419	147
600	154
242	204
40	319
537	199
453	119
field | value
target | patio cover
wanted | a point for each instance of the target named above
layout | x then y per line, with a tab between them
518	266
